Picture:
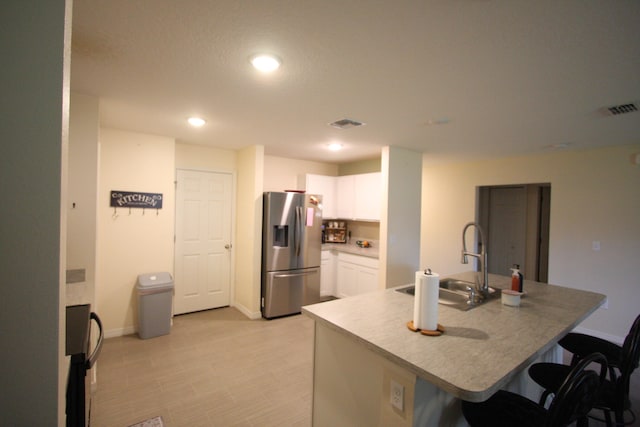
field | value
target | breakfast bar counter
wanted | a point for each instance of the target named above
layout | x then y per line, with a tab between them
482	350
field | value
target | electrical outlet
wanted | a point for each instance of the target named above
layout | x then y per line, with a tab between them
397	395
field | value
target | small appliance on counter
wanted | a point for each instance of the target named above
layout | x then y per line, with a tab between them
335	232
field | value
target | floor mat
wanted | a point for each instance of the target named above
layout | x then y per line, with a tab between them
151	422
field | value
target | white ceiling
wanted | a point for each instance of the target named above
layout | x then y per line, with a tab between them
509	76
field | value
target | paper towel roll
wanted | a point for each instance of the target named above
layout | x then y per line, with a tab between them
425	305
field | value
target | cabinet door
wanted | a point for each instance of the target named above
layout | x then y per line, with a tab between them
368	196
326	186
327	274
367	279
345	192
356	275
347	282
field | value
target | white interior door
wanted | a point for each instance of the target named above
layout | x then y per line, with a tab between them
203	240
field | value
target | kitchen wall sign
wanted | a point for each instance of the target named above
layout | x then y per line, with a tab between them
135	199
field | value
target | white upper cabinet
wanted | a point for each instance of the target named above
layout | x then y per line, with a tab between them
356	197
325	186
345	189
368	196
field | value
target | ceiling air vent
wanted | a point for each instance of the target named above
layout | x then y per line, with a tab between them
346	124
622	109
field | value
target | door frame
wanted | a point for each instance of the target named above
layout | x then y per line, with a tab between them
232	261
538	199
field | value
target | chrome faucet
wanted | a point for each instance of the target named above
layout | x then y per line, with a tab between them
482	282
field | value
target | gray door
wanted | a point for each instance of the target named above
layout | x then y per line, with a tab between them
507	229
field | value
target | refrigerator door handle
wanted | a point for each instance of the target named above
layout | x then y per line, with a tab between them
298	230
306	273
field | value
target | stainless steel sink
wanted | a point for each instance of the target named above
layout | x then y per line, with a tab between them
457	293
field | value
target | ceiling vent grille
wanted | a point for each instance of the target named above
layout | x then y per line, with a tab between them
346	124
622	109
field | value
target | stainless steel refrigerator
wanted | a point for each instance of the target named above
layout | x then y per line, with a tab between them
291	248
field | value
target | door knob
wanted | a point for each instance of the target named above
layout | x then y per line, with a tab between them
227	246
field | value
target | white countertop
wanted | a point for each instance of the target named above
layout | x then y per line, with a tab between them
482	348
352	248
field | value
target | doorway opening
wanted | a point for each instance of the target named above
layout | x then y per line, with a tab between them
516	223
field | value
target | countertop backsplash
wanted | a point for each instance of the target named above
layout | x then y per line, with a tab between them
352	248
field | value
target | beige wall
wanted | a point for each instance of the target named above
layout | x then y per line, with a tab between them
594	197
364	230
199	157
362	166
132	243
136	162
248	245
82	196
282	174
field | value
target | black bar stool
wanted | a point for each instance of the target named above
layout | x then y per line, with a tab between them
574	400
622	361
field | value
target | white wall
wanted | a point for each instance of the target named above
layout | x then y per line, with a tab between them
34	107
594	197
132	243
82	195
282	174
400	222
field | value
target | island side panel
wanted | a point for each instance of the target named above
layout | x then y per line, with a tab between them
351	385
435	407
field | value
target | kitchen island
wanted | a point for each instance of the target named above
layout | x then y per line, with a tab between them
363	349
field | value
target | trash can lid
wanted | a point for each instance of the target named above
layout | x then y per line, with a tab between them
154	281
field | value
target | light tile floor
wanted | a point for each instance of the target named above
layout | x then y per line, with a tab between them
215	368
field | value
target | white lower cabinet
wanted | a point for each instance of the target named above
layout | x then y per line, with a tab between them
328	274
356	275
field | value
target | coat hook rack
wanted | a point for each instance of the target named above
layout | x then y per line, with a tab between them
128	199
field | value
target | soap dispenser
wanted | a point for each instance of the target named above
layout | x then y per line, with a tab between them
517	278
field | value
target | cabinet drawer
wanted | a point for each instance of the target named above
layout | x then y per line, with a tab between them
359	260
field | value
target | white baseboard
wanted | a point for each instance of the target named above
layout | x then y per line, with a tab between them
120	332
253	315
612	338
129	330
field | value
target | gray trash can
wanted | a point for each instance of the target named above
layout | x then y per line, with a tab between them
155	292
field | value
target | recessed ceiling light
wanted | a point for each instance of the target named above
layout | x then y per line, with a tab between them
196	121
265	63
335	146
